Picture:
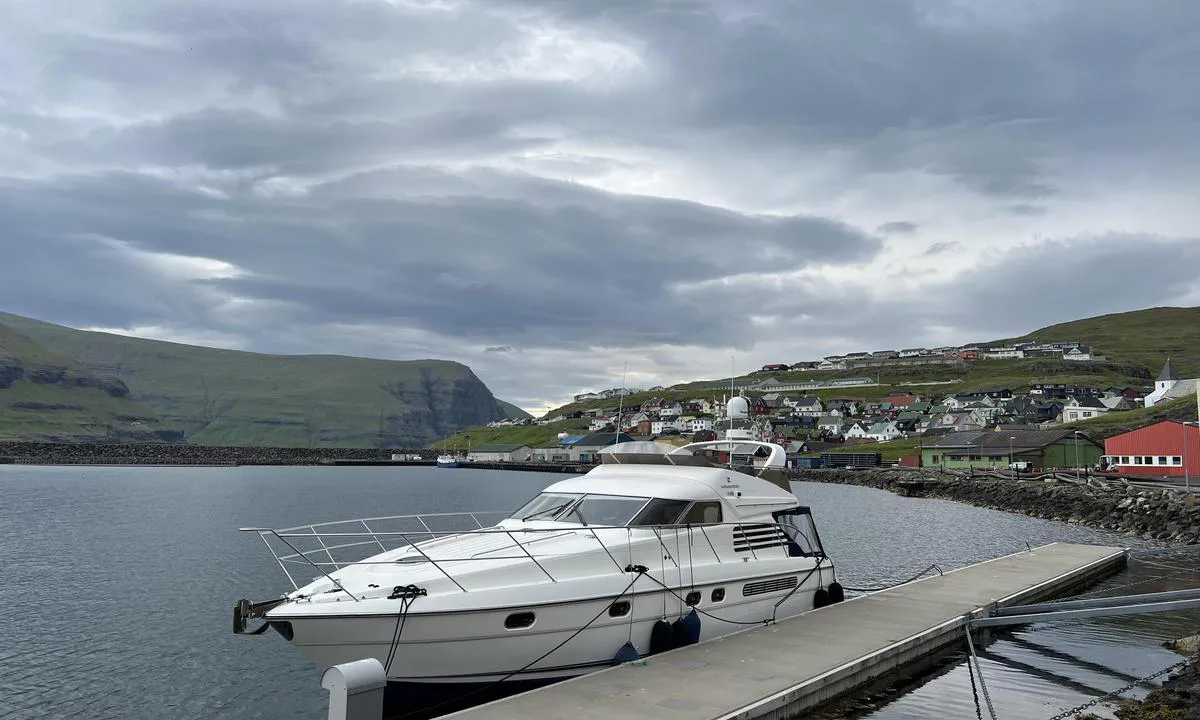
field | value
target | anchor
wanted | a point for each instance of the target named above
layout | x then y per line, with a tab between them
245	610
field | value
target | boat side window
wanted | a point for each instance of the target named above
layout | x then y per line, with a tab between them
605	510
545	506
702	513
516	621
660	512
718	595
619	609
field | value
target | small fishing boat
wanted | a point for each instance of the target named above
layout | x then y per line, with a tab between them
447	461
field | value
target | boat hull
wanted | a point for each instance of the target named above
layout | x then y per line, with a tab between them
474	648
447	463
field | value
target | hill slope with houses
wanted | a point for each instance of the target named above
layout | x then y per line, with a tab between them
1100	370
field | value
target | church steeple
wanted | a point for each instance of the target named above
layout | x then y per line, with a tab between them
1168	374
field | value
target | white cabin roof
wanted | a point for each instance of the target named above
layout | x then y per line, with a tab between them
678	483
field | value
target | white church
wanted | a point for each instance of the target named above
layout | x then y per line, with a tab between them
1169	386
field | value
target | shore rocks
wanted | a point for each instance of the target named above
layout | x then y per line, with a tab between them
1165	515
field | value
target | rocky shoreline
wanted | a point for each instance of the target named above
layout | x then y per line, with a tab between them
183	454
1164	515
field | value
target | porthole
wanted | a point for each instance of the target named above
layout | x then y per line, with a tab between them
516	621
718	594
618	609
692	599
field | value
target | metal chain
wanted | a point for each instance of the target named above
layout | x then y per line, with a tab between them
1119	691
987	698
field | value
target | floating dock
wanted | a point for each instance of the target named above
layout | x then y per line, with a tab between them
798	664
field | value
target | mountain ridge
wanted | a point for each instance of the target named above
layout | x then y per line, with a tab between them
218	396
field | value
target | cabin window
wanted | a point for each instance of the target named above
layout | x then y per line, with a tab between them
516	621
619	609
692	599
660	512
718	595
702	513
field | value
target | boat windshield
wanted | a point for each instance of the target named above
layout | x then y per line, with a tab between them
591	509
545	506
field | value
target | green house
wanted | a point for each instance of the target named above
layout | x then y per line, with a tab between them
1042	449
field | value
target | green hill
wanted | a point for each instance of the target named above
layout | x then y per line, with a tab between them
48	397
229	397
1141	337
1135	345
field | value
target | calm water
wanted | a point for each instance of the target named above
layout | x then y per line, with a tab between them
118	586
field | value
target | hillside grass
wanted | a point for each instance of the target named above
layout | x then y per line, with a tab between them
1015	375
57	412
534	436
230	397
1142	337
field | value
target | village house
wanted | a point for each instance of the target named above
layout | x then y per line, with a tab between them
809	406
1039	448
670	412
831	424
699	424
912	352
500	452
1082	408
667	427
883	431
587	449
1079	353
857	431
1167	449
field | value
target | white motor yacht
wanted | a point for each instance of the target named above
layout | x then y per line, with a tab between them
656	547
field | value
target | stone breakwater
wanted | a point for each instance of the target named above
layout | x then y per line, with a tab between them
181	454
1165	515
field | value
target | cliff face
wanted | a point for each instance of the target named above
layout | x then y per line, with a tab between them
233	398
44	396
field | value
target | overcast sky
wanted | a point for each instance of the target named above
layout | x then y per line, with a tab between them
550	190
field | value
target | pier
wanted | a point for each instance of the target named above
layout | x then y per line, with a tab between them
806	661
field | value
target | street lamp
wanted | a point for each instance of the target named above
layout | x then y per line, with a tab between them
1187	480
1076	433
1010	452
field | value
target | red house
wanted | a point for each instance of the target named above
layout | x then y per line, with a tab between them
1167	448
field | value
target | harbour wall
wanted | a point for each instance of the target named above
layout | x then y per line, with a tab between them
1150	514
184	454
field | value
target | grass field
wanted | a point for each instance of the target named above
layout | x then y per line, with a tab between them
227	397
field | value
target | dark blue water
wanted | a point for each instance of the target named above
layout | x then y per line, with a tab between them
117	586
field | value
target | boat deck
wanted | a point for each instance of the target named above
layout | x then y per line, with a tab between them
802	662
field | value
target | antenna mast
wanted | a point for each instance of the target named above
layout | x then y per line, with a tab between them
621	403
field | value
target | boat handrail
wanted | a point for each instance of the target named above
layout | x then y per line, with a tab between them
338	541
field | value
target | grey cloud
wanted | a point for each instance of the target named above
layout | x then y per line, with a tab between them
898	227
498	349
579	267
941	247
314	145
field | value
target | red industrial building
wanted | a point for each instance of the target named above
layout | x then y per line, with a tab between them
1167	448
